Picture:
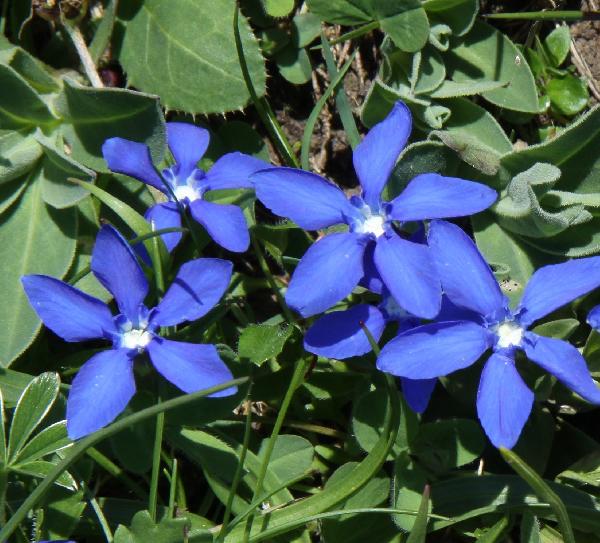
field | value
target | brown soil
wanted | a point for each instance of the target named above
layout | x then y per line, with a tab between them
586	36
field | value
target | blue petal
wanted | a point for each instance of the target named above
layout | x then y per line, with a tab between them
375	157
434	350
116	267
407	270
100	391
563	361
233	171
198	287
165	215
594	318
187	143
340	335
133	159
553	286
224	223
433	196
371	279
68	312
327	273
189	366
417	393
503	401
305	198
466	278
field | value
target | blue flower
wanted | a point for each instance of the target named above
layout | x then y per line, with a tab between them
335	264
105	383
594	318
188	184
504	401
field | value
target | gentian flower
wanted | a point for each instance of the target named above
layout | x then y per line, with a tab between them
104	385
594	318
186	183
335	264
504	401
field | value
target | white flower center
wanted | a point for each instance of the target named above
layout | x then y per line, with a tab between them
373	224
509	334
136	339
185	191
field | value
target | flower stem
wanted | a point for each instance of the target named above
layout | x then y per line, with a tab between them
84	55
158	436
3	488
296	381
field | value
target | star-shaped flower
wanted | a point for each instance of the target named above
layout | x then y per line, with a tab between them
504	401
335	264
188	184
104	385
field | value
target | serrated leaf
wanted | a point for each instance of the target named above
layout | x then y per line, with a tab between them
33	239
41	468
93	115
260	342
194	71
49	440
485	53
530	529
32	407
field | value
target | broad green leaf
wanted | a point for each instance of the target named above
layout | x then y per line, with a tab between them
196	71
12	385
32	407
41	468
454	89
62	512
485	53
557	45
56	169
306	27
20	104
144	530
33	239
418	533
294	64
459	15
2	433
291	457
49	440
568	94
91	116
260	342
560	329
11	191
278	8
19	151
407	489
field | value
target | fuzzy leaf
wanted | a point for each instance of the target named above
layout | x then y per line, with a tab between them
260	342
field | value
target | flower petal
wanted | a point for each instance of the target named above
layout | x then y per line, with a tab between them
375	157
553	286
100	391
434	350
417	392
187	143
189	366
371	279
165	215
198	287
340	335
466	277
68	312
233	171
305	198
115	266
563	361
224	223
503	401
594	318
407	270
327	273
433	196
133	159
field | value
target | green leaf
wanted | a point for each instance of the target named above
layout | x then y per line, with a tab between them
418	533
144	530
294	64
291	457
62	512
261	342
33	239
32	407
104	31
278	8
19	151
494	533
41	469
306	27
91	116
49	440
407	489
530	529
194	71
12	385
558	43
2	433
20	104
485	53
568	94
459	15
